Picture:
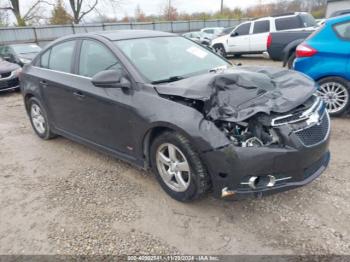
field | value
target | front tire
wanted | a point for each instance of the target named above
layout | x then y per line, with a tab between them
220	50
39	120
178	168
335	93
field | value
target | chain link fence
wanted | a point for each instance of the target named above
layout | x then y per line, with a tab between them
47	33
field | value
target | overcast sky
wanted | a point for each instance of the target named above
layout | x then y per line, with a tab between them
189	6
154	6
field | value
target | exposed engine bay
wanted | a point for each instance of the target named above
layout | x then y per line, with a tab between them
249	104
263	130
249	134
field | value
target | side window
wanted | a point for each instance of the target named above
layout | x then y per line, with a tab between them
44	59
287	23
343	30
243	29
261	27
95	57
209	31
61	56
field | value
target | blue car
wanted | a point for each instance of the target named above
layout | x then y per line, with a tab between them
325	57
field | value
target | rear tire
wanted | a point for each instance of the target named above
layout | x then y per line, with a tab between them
335	92
39	120
237	55
170	168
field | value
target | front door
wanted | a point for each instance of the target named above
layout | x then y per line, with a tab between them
239	40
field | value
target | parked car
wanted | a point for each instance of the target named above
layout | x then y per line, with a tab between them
163	102
340	13
194	36
9	76
20	54
251	37
324	56
281	46
226	31
209	33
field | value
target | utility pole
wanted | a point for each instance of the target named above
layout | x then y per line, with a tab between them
222	6
169	10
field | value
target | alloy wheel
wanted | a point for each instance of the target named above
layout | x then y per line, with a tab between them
335	96
173	167
38	119
219	50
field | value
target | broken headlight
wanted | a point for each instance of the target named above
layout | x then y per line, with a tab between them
249	134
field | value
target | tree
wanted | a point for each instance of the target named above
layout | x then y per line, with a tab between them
81	8
3	18
31	14
59	15
170	13
139	14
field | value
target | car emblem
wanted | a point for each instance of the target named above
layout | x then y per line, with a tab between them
313	119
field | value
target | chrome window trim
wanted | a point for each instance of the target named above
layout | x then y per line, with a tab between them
65	73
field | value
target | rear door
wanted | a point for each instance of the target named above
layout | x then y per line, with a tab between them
258	39
239	40
57	83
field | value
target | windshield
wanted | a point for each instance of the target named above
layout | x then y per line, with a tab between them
26	49
308	20
162	58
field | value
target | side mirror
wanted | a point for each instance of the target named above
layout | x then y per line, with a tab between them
234	34
111	79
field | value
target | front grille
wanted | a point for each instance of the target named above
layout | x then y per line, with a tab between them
4	75
300	116
315	134
288	119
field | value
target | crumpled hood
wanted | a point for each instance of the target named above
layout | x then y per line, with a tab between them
238	93
6	67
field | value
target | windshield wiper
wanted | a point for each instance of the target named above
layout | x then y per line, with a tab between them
168	80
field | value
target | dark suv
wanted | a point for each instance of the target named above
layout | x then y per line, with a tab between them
163	102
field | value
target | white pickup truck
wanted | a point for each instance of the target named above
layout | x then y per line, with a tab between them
252	37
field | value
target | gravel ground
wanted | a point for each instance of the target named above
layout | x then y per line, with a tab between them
59	197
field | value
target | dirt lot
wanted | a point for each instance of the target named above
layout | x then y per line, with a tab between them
62	197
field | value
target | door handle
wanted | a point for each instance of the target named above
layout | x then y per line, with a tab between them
43	83
79	94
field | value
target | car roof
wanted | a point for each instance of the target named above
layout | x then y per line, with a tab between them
116	35
338	19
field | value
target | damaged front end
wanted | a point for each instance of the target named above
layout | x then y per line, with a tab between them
278	129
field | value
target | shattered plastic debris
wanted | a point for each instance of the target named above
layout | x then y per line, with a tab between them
239	93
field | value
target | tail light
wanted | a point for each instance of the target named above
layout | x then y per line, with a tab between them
303	50
269	40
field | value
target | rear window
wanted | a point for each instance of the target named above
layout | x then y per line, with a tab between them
209	31
61	56
261	27
286	23
308	20
343	30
